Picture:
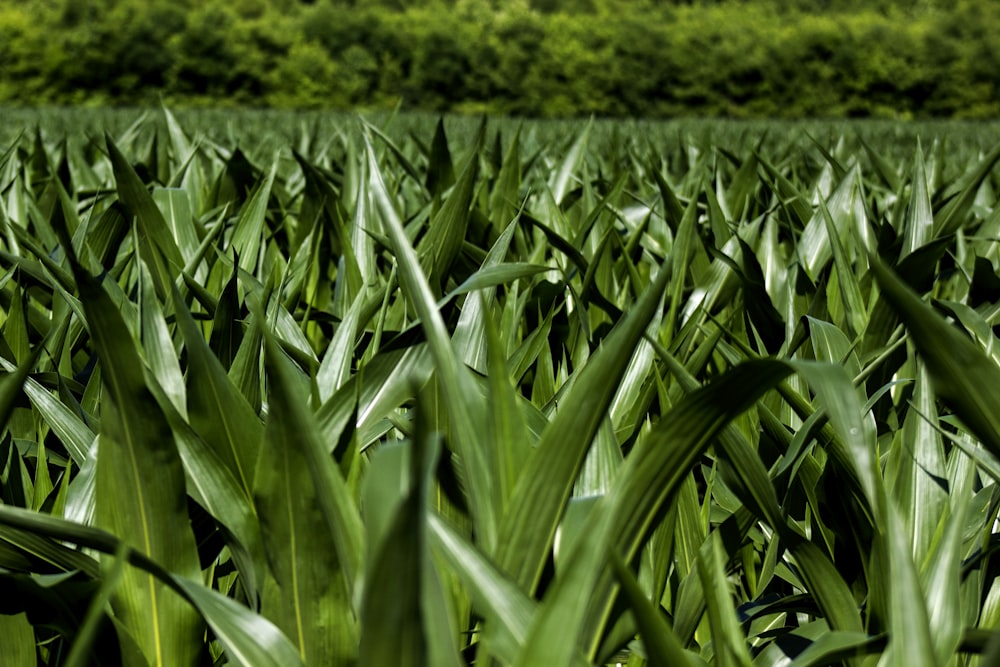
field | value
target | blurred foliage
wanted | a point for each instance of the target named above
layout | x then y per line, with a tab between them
550	58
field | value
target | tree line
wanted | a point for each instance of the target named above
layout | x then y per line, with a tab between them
548	58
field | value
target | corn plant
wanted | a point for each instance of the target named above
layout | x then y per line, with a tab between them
390	399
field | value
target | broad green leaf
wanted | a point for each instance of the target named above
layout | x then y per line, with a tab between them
792	198
397	152
817	571
511	441
335	368
156	243
19	640
307	594
245	373
942	582
216	408
919	225
384	385
834	646
440	170
561	177
833	218
401	591
249	229
227	329
83	644
916	468
158	345
508	611
506	190
728	642
469	336
295	427
838	396
684	248
460	399
176	208
140	492
498	274
212	485
718	283
852	302
909	628
361	223
13	383
181	143
447	228
249	639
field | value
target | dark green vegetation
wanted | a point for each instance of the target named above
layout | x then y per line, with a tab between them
386	394
768	58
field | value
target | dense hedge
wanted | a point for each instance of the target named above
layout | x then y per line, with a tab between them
782	59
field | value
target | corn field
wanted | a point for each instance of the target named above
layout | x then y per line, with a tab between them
383	398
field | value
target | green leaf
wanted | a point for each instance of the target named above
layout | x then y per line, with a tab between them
728	641
335	368
19	640
661	644
909	627
249	229
398	626
915	469
918	227
249	639
832	647
460	401
158	345
506	190
853	305
839	397
942	583
959	368
447	228
624	517
155	241
140	492
308	594
294	427
544	487
216	408
508	611
440	170
498	274
176	209
83	645
833	218
961	195
227	329
470	332
560	180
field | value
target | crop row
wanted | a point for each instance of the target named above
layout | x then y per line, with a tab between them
415	400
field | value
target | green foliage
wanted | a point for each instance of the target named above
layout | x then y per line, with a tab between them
443	392
773	58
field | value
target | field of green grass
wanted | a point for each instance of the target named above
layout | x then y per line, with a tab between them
307	389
